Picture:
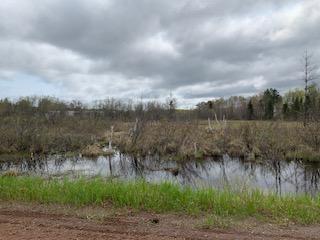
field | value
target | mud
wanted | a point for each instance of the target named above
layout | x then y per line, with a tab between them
27	221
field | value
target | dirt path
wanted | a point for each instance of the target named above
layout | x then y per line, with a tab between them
22	221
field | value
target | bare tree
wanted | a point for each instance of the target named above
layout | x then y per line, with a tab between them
309	69
171	103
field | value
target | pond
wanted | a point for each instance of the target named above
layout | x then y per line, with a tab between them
280	177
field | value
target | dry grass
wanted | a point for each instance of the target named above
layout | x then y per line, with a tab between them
181	140
254	140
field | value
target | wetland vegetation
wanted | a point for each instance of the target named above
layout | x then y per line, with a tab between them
254	140
265	126
264	135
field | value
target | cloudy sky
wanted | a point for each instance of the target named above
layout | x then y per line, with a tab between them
94	49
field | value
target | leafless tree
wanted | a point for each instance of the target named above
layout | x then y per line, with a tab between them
309	69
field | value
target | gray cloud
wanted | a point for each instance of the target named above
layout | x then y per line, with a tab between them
122	48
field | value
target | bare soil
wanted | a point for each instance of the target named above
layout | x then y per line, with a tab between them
29	221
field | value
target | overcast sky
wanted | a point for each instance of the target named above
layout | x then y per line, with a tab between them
94	49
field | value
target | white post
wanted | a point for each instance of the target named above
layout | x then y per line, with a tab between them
110	138
209	124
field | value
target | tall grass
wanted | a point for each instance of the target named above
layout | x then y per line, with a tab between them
161	198
181	140
249	139
25	134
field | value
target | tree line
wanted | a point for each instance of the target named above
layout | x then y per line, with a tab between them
110	109
269	105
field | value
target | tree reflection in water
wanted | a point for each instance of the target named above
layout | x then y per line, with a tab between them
274	175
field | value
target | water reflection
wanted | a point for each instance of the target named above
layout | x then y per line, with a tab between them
277	176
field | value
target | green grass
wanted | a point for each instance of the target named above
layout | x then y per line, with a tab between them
161	198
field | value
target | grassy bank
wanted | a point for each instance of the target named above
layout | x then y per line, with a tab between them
161	198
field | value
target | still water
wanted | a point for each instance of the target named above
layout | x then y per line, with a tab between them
280	177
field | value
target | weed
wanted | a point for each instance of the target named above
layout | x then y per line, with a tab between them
162	198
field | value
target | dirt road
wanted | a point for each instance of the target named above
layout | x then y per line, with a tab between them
25	221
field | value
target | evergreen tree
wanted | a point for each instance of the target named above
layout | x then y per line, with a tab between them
250	111
270	98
